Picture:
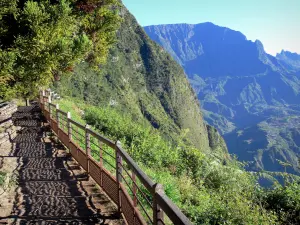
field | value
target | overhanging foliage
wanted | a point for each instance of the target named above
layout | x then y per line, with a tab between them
40	40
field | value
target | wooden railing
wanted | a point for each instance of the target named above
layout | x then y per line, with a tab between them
139	199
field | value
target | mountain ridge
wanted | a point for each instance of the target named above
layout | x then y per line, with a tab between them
142	97
290	60
239	86
199	44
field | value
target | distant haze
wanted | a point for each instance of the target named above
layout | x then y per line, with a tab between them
274	22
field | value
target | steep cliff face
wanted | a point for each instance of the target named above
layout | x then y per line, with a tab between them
242	90
142	79
211	51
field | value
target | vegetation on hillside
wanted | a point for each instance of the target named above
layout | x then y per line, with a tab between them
141	97
269	142
285	202
142	80
40	40
208	188
249	96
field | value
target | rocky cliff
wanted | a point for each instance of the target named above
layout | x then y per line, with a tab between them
243	90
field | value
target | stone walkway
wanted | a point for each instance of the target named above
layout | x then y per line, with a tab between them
51	188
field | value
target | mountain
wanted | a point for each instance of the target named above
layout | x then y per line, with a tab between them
143	80
211	51
142	97
252	97
266	144
291	61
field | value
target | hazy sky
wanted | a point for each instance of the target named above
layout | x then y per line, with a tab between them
274	22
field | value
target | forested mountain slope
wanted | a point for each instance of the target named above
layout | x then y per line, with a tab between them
142	79
141	97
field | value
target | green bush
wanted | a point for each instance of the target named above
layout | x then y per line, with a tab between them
2	178
285	201
142	142
208	189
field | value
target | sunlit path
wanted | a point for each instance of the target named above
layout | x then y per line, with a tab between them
51	187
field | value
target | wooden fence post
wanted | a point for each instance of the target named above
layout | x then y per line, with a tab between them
101	161
49	101
119	174
134	189
158	215
69	126
41	99
118	163
43	94
100	153
87	146
57	115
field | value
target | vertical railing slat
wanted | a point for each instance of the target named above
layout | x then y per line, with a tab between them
57	116
101	161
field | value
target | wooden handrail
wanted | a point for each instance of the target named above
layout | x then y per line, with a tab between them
101	138
115	187
82	127
53	105
147	182
172	211
62	112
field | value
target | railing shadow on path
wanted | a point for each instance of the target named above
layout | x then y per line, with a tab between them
50	188
139	199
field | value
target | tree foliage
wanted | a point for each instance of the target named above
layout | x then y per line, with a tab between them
285	201
40	40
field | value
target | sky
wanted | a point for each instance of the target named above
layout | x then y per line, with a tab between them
276	23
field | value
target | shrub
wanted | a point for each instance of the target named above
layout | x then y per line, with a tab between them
208	190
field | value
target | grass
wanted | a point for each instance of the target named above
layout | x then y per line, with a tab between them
2	178
204	188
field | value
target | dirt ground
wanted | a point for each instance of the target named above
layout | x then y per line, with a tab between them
7	191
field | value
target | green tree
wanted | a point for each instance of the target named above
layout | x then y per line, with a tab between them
285	201
43	39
